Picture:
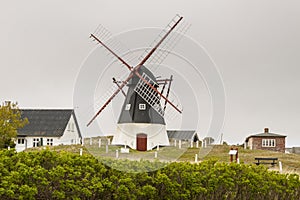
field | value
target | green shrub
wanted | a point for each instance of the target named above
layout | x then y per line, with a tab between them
60	175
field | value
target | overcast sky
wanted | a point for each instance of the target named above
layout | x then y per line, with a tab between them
255	45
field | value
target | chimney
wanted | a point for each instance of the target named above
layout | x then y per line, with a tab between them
266	130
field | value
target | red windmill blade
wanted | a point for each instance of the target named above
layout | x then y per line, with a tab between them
134	71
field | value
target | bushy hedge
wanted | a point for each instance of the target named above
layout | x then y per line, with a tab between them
50	175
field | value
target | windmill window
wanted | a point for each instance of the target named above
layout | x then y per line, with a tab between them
142	106
127	107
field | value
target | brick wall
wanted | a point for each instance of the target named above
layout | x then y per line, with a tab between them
257	143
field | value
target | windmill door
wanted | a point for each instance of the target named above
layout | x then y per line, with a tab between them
141	142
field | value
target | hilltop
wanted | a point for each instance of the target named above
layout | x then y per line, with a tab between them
290	162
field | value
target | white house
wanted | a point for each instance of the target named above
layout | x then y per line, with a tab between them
48	127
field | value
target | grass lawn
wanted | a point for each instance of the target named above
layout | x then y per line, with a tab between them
290	162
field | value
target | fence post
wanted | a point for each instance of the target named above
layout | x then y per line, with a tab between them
100	143
117	153
175	143
196	158
155	154
80	151
192	143
280	166
237	156
179	144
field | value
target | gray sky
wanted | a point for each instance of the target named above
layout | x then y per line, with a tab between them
255	44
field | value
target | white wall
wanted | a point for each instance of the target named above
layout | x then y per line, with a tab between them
126	134
71	134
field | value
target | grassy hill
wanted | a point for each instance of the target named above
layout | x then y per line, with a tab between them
290	162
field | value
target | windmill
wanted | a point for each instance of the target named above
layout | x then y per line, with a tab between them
141	123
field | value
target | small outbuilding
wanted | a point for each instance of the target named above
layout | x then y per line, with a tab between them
266	141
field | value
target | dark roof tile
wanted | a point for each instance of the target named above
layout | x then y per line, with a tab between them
181	134
46	122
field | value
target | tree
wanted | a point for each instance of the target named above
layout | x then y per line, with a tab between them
10	122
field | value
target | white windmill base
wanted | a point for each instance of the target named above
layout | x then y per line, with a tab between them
126	134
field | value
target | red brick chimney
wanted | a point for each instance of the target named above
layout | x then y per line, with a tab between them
266	130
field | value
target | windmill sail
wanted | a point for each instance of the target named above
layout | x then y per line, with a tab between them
102	34
168	45
148	94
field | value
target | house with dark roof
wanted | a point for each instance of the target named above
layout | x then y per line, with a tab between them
266	141
48	127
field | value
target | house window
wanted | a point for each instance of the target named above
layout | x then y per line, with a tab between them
21	141
142	106
50	141
36	142
127	107
268	143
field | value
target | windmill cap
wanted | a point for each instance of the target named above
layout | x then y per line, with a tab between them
143	70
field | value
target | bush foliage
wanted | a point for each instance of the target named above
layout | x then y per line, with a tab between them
10	122
51	175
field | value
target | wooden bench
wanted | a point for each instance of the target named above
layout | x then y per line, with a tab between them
271	161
